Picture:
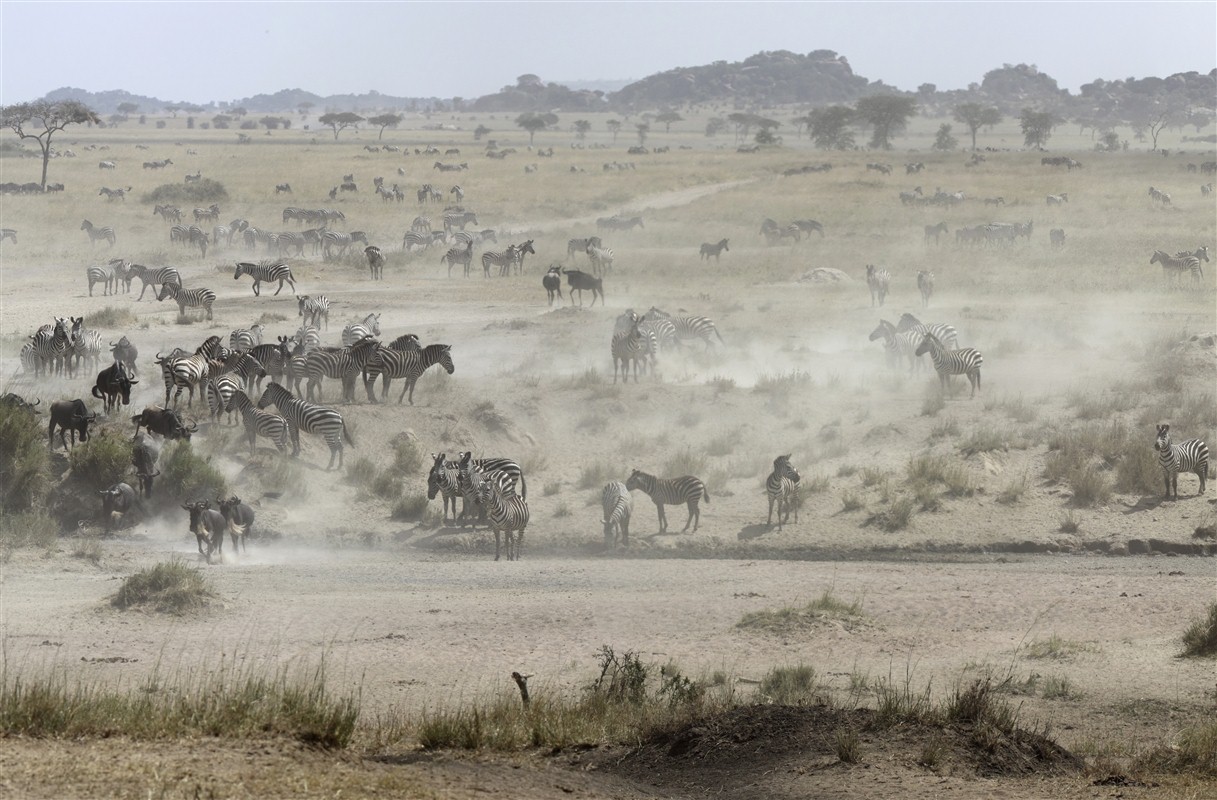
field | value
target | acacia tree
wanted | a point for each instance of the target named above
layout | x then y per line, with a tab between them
1036	126
614	125
976	116
340	121
944	141
582	126
667	118
829	127
383	121
887	114
41	120
643	129
533	122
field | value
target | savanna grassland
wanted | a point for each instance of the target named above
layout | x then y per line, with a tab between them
965	574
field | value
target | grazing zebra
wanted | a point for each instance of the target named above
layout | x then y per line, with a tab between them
209	214
259	422
552	281
368	326
342	363
420	239
444	479
8	233
265	271
462	254
715	250
314	309
1057	199
376	262
952	362
102	275
179	234
935	231
188	298
618	506
243	340
310	418
782	487
898	344
197	237
945	333
421	224
925	285
672	492
1206	189
877	280
1179	264
95	233
110	194
1189	456
153	277
406	364
168	213
581	245
502	259
506	512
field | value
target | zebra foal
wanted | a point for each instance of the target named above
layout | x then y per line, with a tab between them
618	506
672	492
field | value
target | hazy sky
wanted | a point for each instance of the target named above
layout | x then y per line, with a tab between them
198	52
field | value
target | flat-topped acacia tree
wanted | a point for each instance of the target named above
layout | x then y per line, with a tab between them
41	120
340	120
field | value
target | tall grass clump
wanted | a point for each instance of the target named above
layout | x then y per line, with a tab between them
169	587
410	507
110	317
1200	638
186	475
25	466
684	462
789	686
102	461
26	529
596	474
789	618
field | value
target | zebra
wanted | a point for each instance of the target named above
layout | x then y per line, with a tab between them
1057	199
1200	254
245	365
935	231
260	423
898	344
443	479
368	326
1159	196
506	512
457	192
1177	265
421	239
310	418
521	250
308	337
110	194
198	237
459	219
1189	456
807	226
222	233
502	259
179	234
925	285
243	340
314	309
184	372
8	233
188	298
104	232
153	277
218	392
341	363
626	347
376	262
209	214
291	240
782	487
688	327
273	358
715	250
945	333
662	328
408	365
618	506
421	224
103	275
460	253
86	344
168	213
952	362
580	245
877	280
332	239
50	346
671	491
552	281
601	258
265	271
469	468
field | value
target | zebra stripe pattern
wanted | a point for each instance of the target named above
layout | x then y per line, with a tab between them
314	309
185	372
580	245
502	259
782	487
898	345
1189	456
104	276
618	506
310	418
188	298
952	362
219	393
49	346
242	340
461	254
601	258
341	241
153	277
290	240
628	347
512	470
444	479
273	358
368	326
671	491
95	233
945	333
342	364
877	280
86	344
260	423
376	262
507	513
268	272
686	327
406	364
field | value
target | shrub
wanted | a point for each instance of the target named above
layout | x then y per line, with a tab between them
847	746
361	472
685	462
26	529
185	475
593	476
851	501
411	507
1200	638
1014	491
201	191
386	485
25	466
110	317
896	517
407	456
170	587
788	686
622	677
1069	523
102	461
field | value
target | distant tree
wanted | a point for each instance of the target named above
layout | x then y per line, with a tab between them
41	120
714	126
340	121
582	126
743	124
173	110
944	141
614	125
887	115
274	123
238	112
1110	141
667	118
221	122
976	116
800	123
767	136
644	128
1036	126
383	121
304	107
127	109
479	132
829	129
533	122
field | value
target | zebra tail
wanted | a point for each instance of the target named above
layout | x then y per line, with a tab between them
346	434
705	493
719	335
523	488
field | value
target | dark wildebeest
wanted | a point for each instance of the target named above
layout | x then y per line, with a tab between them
163	421
17	401
579	280
240	518
552	281
113	383
207	525
144	456
118	499
126	353
69	415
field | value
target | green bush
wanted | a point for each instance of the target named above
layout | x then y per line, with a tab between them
202	191
25	466
102	461
187	476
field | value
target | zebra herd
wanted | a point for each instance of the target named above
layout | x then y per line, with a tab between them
60	347
1174	267
637	341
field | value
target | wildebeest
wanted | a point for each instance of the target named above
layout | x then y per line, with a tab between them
240	519
208	526
552	281
579	280
17	401
118	499
163	421
143	457
69	415
113	382
126	353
